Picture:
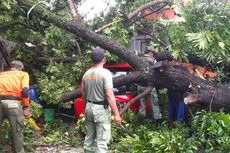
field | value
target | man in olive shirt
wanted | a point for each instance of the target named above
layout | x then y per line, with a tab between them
99	100
154	101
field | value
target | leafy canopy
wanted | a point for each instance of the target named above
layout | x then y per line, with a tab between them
205	30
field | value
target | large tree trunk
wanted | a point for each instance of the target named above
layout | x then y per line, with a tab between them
202	91
132	78
161	74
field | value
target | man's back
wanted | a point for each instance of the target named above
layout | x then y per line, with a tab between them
11	82
14	102
95	80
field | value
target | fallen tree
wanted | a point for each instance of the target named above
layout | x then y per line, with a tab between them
163	74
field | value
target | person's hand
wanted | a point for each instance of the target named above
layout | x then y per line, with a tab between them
117	120
26	112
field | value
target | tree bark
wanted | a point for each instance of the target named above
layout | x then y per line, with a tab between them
73	11
194	59
204	92
161	74
5	52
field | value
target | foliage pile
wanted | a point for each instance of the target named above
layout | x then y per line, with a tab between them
60	132
56	79
207	132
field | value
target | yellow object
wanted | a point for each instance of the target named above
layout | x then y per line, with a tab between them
34	125
112	118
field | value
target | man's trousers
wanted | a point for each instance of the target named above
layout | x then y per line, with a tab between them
98	128
12	110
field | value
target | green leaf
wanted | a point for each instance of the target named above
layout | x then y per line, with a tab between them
222	45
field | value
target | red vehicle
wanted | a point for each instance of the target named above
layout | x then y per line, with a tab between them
122	94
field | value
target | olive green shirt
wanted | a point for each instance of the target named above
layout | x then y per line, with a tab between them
95	81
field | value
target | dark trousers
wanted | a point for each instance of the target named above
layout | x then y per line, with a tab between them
176	111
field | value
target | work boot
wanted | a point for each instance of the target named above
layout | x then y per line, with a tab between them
159	121
171	125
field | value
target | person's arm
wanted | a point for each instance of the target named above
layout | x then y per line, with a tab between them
112	103
84	96
25	95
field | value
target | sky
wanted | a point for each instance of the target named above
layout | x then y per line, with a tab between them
90	8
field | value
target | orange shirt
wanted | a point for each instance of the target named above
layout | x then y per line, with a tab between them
12	82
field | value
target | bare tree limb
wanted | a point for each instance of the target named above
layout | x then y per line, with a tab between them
73	11
147	5
132	101
78	48
107	26
136	12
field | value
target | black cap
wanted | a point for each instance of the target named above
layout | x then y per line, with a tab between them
17	64
97	55
149	50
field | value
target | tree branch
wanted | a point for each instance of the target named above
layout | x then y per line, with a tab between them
78	48
132	101
74	14
107	26
148	5
90	36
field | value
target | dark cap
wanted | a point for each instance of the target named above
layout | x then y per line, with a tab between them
150	51
97	55
17	64
164	55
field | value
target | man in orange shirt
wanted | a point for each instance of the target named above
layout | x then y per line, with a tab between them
14	102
